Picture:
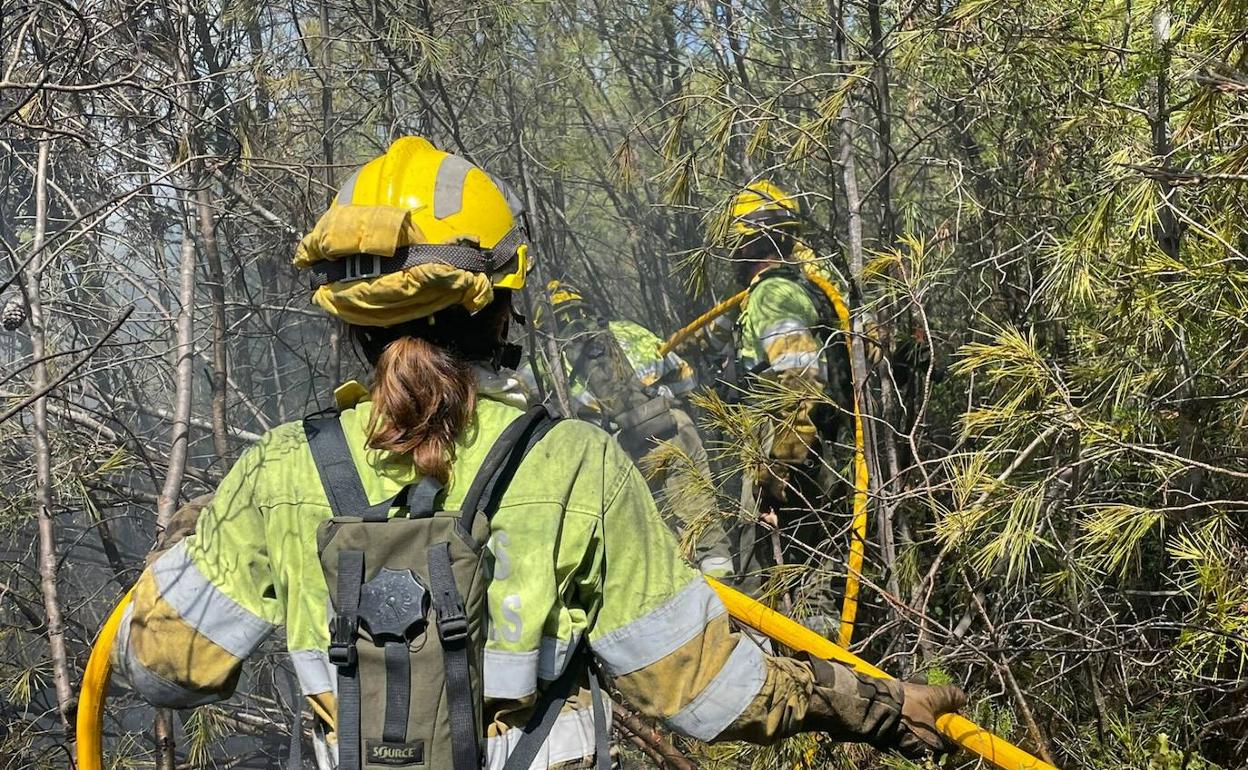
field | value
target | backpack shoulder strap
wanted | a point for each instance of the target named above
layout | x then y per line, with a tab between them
332	455
501	462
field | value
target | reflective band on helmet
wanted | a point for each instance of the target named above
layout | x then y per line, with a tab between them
448	187
659	632
771	215
347	190
726	696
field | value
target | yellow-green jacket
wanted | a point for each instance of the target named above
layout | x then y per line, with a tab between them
641	347
668	375
579	552
776	327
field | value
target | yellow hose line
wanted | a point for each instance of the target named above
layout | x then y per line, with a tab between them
955	727
94	687
862	481
694	326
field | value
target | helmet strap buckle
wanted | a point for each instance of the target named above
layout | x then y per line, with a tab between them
361	266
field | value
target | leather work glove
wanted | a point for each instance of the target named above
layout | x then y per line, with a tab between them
921	705
885	713
181	524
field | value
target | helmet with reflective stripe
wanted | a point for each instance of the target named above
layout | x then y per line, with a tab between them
565	299
561	292
763	206
413	232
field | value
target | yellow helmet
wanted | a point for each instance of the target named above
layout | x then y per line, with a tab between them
763	206
561	292
413	232
564	298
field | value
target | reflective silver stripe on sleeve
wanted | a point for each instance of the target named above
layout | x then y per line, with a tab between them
683	385
661	631
514	675
527	377
650	373
316	674
204	607
783	328
448	187
509	675
571	737
799	361
728	694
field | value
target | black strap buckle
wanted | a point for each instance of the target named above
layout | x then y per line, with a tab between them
453	626
357	267
342	655
342	652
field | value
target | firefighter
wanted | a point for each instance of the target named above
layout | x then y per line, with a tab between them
419	255
616	377
788	342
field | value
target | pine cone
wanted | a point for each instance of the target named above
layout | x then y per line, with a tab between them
14	314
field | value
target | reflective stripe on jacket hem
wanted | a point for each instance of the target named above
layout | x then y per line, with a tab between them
203	606
513	675
572	737
314	671
726	696
796	361
661	631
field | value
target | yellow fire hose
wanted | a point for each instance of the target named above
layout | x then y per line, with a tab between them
696	325
958	729
90	725
858	527
955	727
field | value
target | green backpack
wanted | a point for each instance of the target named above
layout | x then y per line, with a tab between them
407	627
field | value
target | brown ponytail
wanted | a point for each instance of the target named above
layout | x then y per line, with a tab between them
425	390
422	399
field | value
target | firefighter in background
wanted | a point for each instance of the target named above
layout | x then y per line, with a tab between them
792	354
617	378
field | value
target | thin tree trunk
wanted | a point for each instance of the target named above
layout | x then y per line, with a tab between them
857	266
883	125
183	378
554	360
184	352
325	59
48	560
216	290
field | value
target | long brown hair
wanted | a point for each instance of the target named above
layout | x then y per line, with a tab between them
425	391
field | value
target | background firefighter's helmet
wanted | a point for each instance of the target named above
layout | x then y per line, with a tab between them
761	207
413	232
565	299
561	292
